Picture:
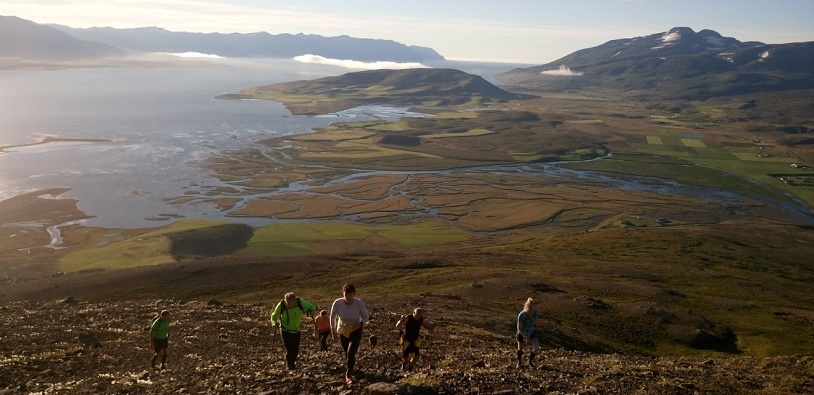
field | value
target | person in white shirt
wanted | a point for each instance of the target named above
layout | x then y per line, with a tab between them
352	315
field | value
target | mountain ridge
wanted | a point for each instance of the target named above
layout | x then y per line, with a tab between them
21	38
677	64
258	44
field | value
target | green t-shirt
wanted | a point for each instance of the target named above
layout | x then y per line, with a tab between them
160	329
290	318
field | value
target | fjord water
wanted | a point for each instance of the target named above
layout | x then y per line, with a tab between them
157	123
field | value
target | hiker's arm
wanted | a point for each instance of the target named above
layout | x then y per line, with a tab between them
364	313
334	314
401	322
310	309
275	315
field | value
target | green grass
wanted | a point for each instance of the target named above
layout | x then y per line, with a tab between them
457	115
293	238
423	233
311	231
279	248
150	248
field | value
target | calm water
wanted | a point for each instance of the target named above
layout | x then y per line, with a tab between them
158	120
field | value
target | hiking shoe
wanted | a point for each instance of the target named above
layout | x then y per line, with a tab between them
403	366
532	365
520	365
349	378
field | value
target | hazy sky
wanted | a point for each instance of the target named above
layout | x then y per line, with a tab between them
529	31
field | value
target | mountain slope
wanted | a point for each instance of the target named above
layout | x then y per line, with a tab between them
262	44
395	87
226	349
678	64
20	38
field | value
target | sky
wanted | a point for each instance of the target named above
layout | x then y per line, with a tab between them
513	31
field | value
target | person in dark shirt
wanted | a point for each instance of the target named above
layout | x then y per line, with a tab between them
410	326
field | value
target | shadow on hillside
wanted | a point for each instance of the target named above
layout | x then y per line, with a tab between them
550	338
208	242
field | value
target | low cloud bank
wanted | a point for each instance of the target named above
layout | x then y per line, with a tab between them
194	55
561	71
357	65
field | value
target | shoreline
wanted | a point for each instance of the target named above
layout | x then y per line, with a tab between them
49	140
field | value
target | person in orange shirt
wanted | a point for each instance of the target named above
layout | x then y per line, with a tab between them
323	327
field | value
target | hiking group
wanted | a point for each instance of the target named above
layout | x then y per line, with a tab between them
344	325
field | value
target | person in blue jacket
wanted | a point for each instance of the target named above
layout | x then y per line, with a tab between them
527	333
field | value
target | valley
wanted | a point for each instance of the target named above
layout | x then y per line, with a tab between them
564	197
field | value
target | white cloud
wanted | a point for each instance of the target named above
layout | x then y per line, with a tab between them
562	71
195	55
357	65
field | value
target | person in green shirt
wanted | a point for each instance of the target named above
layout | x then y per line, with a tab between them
160	337
288	316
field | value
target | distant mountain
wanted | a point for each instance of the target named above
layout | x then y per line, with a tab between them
679	64
395	87
20	38
154	39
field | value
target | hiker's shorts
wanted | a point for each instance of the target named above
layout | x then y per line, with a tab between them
161	344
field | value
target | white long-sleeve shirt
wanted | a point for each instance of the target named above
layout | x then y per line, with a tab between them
348	314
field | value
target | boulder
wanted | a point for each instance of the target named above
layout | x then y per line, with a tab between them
382	389
89	340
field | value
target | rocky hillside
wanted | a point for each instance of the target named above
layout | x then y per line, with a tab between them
76	347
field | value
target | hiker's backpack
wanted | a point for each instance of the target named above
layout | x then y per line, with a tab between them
150	323
284	308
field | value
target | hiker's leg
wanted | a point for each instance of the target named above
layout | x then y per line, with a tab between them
535	347
355	339
296	351
323	341
345	342
416	355
405	353
291	343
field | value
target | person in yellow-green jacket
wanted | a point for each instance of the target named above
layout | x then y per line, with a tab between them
288	316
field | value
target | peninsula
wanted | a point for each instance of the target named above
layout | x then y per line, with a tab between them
422	86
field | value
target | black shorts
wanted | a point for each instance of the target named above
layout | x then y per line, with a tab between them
161	344
522	339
